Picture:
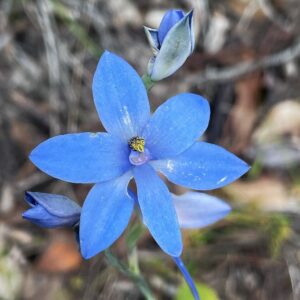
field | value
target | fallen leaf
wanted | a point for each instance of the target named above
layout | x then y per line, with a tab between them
62	255
239	125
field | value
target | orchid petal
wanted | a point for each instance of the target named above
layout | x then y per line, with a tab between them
105	215
82	157
152	37
176	125
120	97
158	210
197	210
203	166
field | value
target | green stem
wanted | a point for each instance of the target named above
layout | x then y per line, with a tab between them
133	260
134	233
148	82
137	279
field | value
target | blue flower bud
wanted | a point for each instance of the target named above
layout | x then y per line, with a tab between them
171	44
50	210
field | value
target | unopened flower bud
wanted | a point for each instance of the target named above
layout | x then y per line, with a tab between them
50	210
171	44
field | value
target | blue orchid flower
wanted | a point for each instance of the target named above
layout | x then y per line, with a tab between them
51	211
171	44
136	145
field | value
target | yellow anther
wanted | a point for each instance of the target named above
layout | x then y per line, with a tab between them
137	144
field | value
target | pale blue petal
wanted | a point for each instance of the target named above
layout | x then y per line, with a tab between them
176	125
176	48
82	157
197	210
203	166
192	32
170	18
152	37
105	215
120	97
157	209
150	65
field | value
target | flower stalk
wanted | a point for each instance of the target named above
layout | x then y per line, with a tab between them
134	234
148	82
133	260
138	279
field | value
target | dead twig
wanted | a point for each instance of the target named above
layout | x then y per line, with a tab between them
247	16
4	40
43	12
271	12
230	73
31	181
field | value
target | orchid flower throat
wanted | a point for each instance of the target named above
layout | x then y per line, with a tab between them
139	153
137	143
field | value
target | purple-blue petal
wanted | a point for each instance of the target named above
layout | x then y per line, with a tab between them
203	166
105	215
176	125
192	33
187	277
157	209
120	97
170	18
197	210
152	36
82	157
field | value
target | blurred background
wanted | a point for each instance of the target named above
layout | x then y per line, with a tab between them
246	62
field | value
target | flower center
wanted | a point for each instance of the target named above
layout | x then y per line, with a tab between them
137	144
139	154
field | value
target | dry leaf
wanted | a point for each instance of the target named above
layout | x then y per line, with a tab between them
62	255
239	125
